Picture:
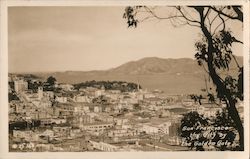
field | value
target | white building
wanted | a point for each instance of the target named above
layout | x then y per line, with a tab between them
27	135
97	109
122	132
150	129
20	86
99	93
40	92
47	132
82	99
103	146
61	99
164	127
66	87
97	127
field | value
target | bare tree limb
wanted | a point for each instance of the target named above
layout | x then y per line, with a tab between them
235	60
239	12
185	17
223	22
158	17
235	8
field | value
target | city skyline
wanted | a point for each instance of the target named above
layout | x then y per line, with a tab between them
91	38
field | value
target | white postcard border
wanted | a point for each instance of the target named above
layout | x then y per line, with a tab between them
120	155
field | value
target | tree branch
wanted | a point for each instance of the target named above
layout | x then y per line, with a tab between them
170	17
158	17
223	22
235	8
185	17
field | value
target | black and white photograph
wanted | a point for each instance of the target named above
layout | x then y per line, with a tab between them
126	78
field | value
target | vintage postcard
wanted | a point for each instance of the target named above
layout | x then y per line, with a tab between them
124	79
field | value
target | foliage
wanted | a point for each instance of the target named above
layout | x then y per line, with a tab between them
49	85
193	120
222	119
214	49
12	96
11	84
27	76
51	80
34	85
197	134
130	16
109	85
196	98
222	56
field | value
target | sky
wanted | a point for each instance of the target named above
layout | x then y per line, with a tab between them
46	39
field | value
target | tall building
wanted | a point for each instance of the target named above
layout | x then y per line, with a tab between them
20	86
40	92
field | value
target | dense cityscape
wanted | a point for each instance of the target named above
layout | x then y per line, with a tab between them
96	116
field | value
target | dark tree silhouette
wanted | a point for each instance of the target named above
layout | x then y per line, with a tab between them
222	119
109	85
51	80
196	98
192	131
193	120
12	96
214	51
34	85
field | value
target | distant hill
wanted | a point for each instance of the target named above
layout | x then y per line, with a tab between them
173	76
152	65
